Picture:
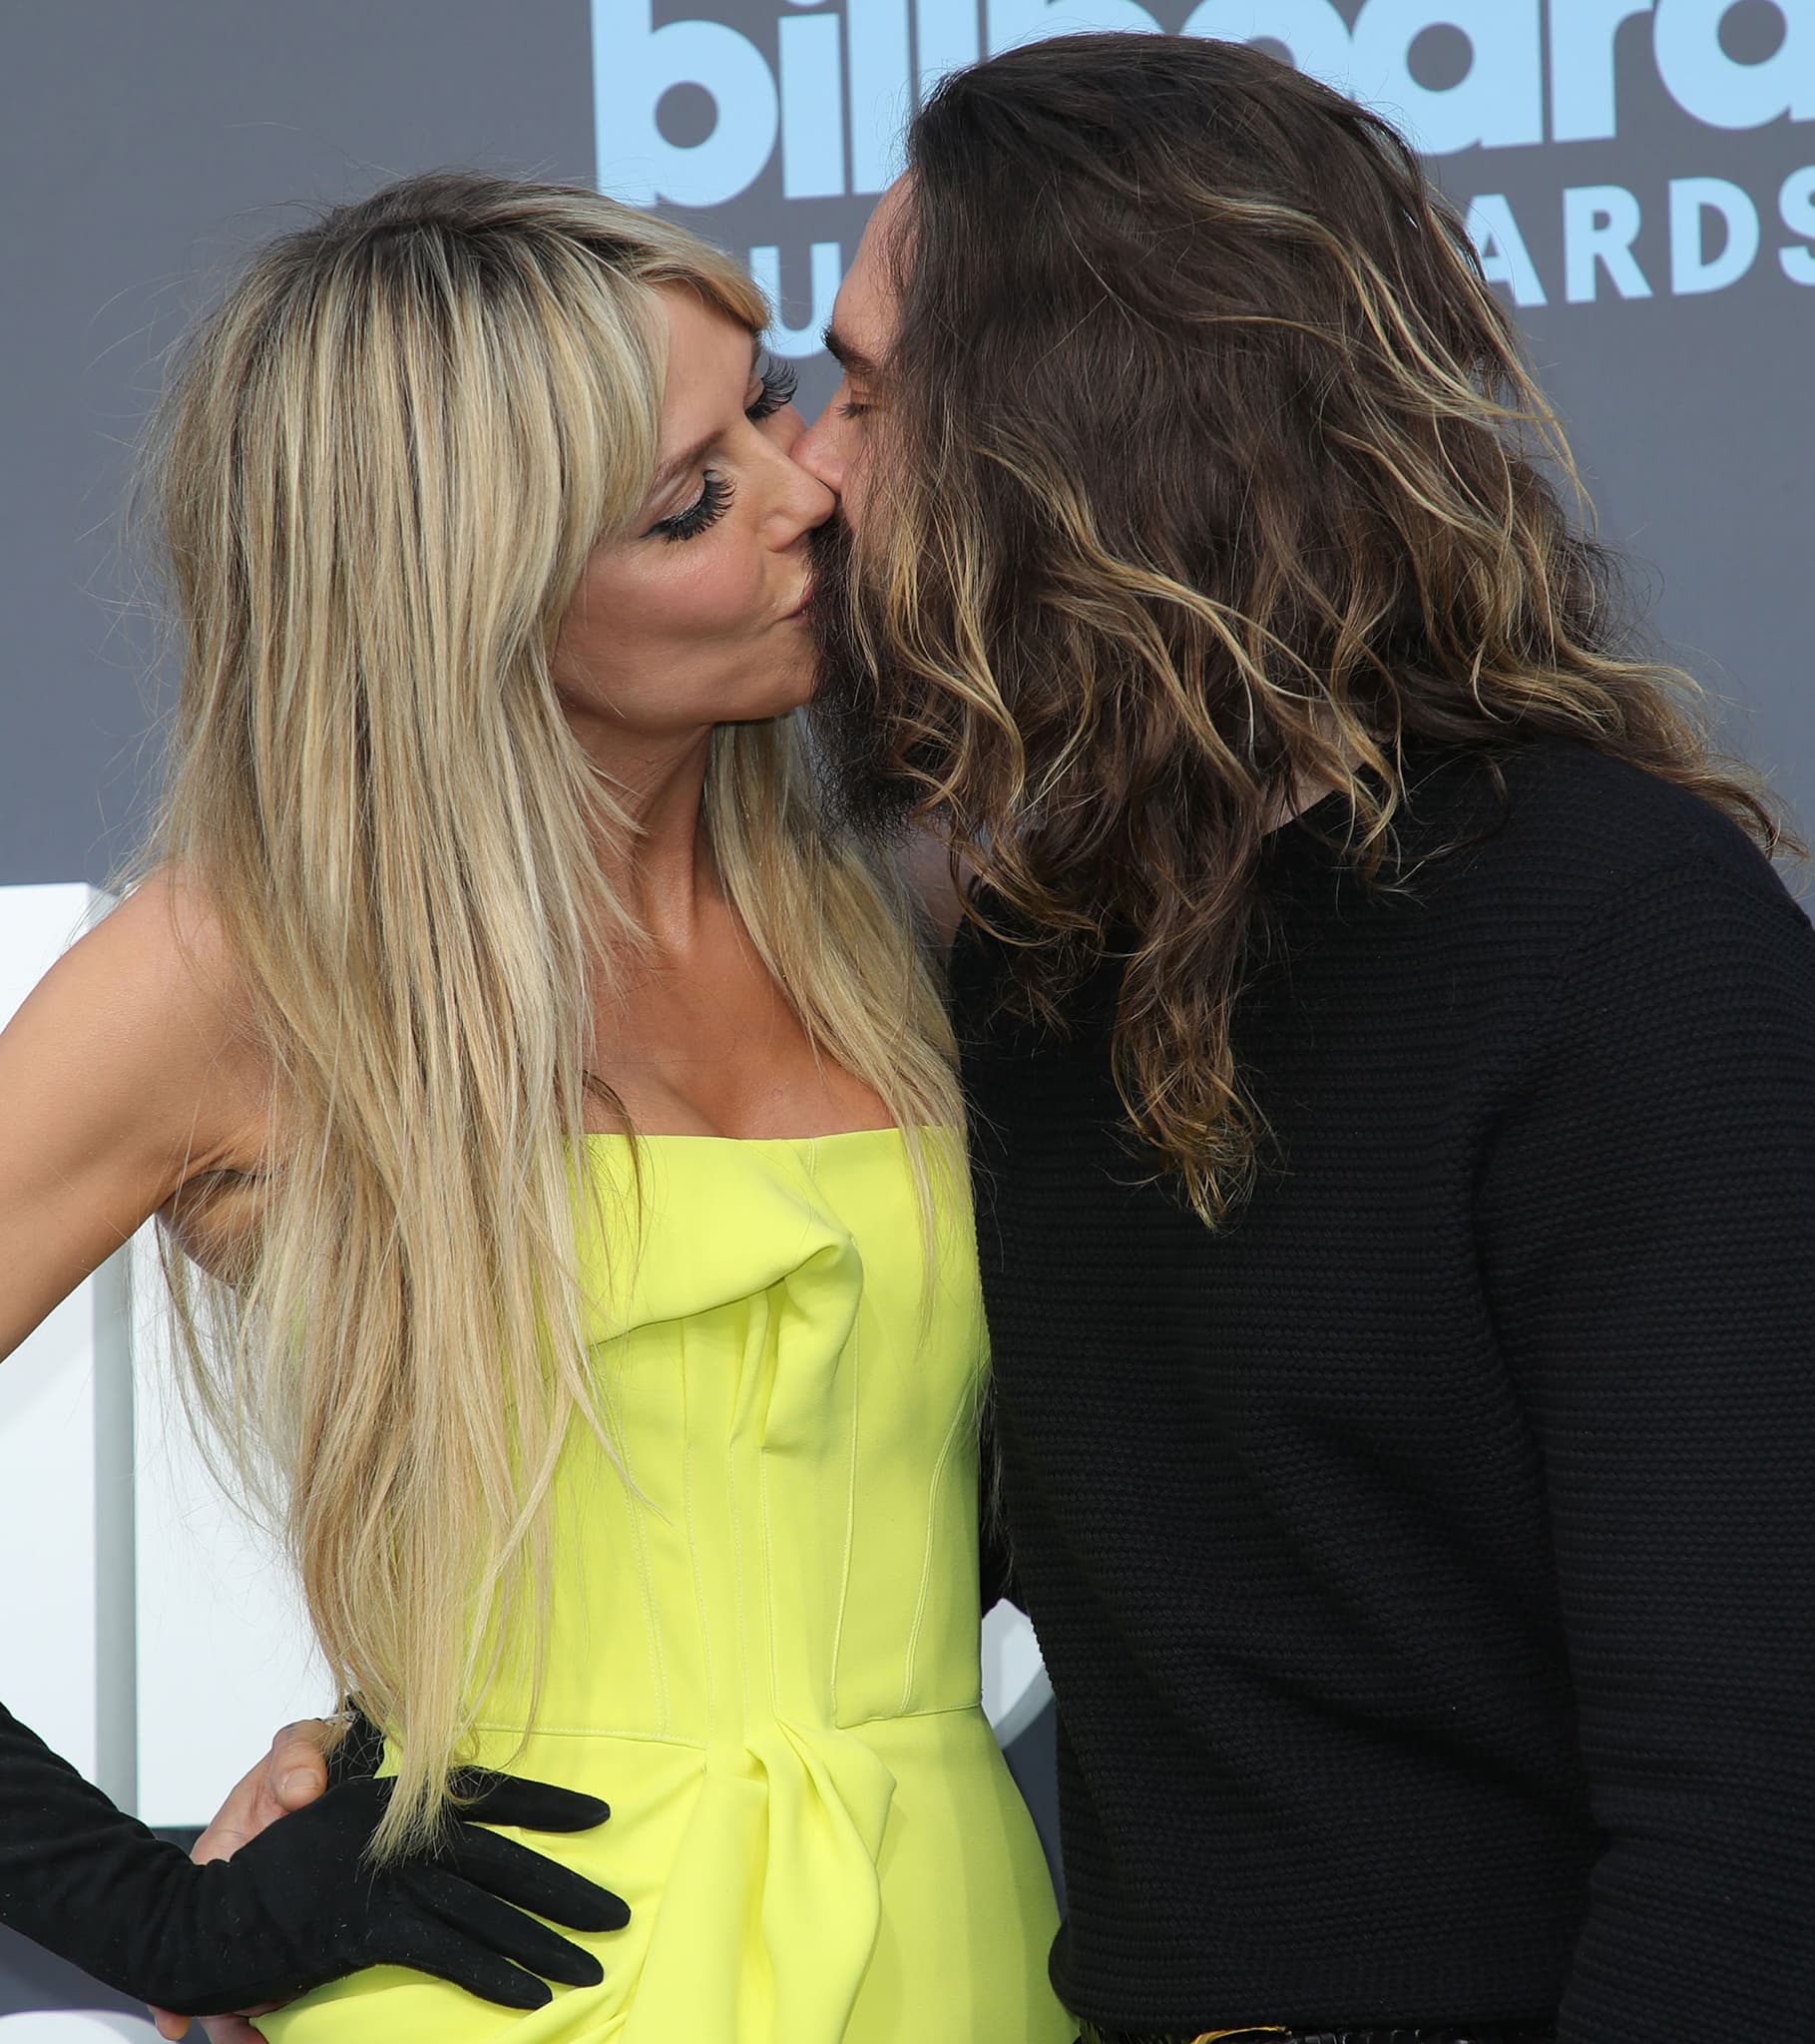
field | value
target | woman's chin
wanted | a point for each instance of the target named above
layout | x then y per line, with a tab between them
795	693
766	709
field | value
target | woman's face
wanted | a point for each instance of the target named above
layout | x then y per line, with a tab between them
694	617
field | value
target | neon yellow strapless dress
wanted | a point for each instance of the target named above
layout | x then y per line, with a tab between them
769	1665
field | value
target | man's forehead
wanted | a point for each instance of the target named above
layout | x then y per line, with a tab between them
863	314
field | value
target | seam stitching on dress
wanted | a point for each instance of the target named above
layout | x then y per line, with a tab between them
692	1547
641	1733
924	1710
744	1635
652	1620
850	1524
959	1419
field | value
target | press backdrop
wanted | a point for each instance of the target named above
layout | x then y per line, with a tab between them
1639	175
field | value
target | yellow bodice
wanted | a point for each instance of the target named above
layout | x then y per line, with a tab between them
763	1645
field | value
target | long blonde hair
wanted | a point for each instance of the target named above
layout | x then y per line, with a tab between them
379	470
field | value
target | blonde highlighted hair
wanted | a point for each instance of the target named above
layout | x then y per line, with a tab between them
379	470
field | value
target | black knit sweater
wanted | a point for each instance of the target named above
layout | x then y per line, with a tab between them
1425	1560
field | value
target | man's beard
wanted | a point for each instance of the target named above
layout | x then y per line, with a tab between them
867	790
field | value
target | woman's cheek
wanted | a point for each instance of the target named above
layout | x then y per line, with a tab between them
728	592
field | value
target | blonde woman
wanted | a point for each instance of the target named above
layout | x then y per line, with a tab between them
556	1130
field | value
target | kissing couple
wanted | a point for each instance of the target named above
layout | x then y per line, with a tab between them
1108	976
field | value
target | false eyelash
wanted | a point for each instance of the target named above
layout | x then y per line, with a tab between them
779	383
706	509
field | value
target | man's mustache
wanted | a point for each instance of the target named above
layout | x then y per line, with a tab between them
851	714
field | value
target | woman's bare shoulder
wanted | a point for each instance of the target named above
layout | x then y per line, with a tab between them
152	1007
128	1073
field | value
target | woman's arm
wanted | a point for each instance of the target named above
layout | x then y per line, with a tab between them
128	1073
300	1904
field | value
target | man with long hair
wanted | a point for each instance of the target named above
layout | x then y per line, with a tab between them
1392	1063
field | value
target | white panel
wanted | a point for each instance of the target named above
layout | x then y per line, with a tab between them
225	1653
49	1658
1015	1685
129	1579
76	2026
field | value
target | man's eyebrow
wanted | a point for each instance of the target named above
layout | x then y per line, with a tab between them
848	356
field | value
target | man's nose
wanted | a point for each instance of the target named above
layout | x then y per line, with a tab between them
818	452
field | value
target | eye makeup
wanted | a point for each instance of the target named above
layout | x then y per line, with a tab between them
707	509
779	382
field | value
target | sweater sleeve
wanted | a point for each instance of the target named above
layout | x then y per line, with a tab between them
1646	1211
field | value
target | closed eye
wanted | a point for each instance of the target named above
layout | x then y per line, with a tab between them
779	383
706	509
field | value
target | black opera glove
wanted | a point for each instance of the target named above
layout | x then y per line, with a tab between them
359	1750
298	1905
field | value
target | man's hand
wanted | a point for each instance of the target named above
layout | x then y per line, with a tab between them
292	1774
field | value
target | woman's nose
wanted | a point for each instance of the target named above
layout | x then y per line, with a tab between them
800	499
813	502
785	428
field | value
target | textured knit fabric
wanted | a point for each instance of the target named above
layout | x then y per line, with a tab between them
1425	1561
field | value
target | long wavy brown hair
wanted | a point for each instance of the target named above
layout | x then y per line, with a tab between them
1210	475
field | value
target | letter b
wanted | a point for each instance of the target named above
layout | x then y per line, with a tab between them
1315	33
1031	21
1498	104
633	63
1704	80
